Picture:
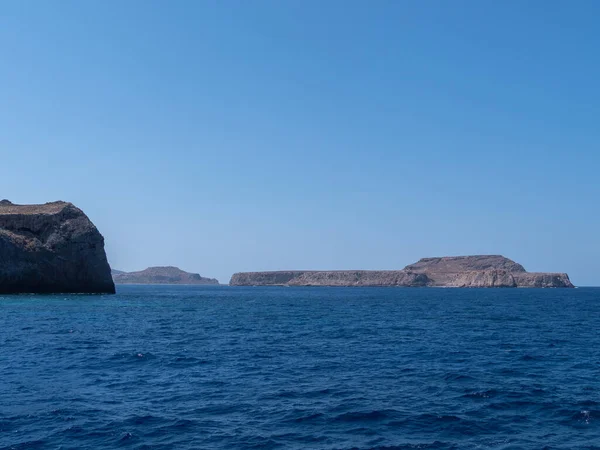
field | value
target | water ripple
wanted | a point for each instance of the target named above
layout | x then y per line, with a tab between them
293	368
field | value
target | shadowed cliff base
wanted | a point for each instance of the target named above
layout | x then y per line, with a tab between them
51	248
453	271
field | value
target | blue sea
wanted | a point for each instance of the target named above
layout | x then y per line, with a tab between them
183	367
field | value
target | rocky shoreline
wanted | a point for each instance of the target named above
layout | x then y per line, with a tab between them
51	248
459	271
55	248
161	275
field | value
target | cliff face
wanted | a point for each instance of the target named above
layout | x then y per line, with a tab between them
360	278
484	271
458	271
482	278
51	248
542	280
330	278
161	275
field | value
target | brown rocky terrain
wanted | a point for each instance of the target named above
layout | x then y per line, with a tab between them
51	248
454	264
456	271
160	275
330	278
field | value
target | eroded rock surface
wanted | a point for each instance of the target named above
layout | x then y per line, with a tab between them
51	248
331	278
455	271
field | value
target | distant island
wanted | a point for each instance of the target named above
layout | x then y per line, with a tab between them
55	248
449	271
51	248
160	275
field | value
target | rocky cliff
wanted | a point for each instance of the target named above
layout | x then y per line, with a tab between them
330	278
161	275
484	271
458	271
51	248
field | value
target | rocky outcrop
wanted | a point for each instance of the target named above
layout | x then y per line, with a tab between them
457	271
51	248
542	280
484	271
161	275
330	278
482	278
456	264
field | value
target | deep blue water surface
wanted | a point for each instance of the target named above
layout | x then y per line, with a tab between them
327	368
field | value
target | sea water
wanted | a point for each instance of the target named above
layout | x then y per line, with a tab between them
169	367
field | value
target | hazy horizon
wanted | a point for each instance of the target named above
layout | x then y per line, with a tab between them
302	135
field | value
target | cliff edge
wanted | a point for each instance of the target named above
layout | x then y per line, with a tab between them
453	271
51	248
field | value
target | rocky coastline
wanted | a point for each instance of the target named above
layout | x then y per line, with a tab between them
51	248
55	248
161	275
458	271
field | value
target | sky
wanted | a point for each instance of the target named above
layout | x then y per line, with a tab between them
226	136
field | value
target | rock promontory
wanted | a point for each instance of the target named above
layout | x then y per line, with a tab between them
51	248
161	275
453	271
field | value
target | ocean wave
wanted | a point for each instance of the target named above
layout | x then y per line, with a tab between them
301	368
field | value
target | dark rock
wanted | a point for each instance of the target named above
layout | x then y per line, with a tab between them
161	275
458	271
51	248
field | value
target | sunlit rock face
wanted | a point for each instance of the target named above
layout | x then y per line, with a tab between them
450	271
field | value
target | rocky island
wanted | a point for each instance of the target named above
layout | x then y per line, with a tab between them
51	248
160	275
452	271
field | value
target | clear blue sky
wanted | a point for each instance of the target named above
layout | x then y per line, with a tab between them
224	136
